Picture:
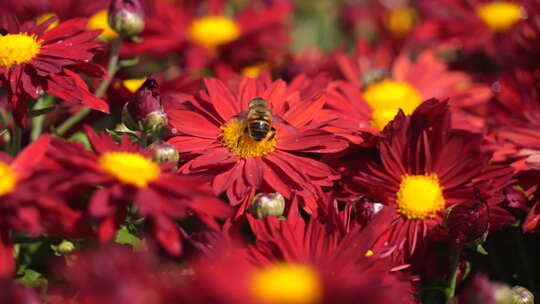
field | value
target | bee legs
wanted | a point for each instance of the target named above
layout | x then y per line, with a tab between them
240	137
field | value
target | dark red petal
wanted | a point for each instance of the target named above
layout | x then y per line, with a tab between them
7	260
167	235
31	156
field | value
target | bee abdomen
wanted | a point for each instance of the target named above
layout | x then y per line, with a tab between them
258	129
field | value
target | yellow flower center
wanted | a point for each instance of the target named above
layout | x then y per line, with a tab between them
401	20
286	284
8	178
133	84
42	18
130	168
420	196
18	49
237	139
213	31
100	21
386	97
499	15
253	71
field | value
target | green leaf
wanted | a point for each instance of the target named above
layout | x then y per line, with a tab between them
35	113
481	250
124	236
31	278
117	135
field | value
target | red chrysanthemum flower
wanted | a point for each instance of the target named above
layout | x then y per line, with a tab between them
426	167
248	40
212	136
28	202
377	88
514	120
34	60
124	173
297	262
470	25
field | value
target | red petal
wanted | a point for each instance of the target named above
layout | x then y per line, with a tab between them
31	156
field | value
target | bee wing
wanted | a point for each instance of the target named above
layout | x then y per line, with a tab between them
242	115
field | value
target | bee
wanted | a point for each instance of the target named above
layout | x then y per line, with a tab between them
260	120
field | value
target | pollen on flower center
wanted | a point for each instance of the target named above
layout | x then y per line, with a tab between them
499	15
239	141
213	31
18	49
386	97
130	168
420	196
286	284
100	21
8	178
401	20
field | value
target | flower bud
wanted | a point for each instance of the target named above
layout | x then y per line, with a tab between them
165	152
515	201
482	290
522	295
467	223
126	17
64	248
266	204
144	111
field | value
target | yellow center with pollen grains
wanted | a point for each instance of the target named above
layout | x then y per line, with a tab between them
386	97
8	178
18	49
213	31
286	284
100	21
130	168
499	15
240	142
420	196
401	20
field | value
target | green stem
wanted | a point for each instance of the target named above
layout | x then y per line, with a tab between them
37	122
112	68
144	139
453	267
16	139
